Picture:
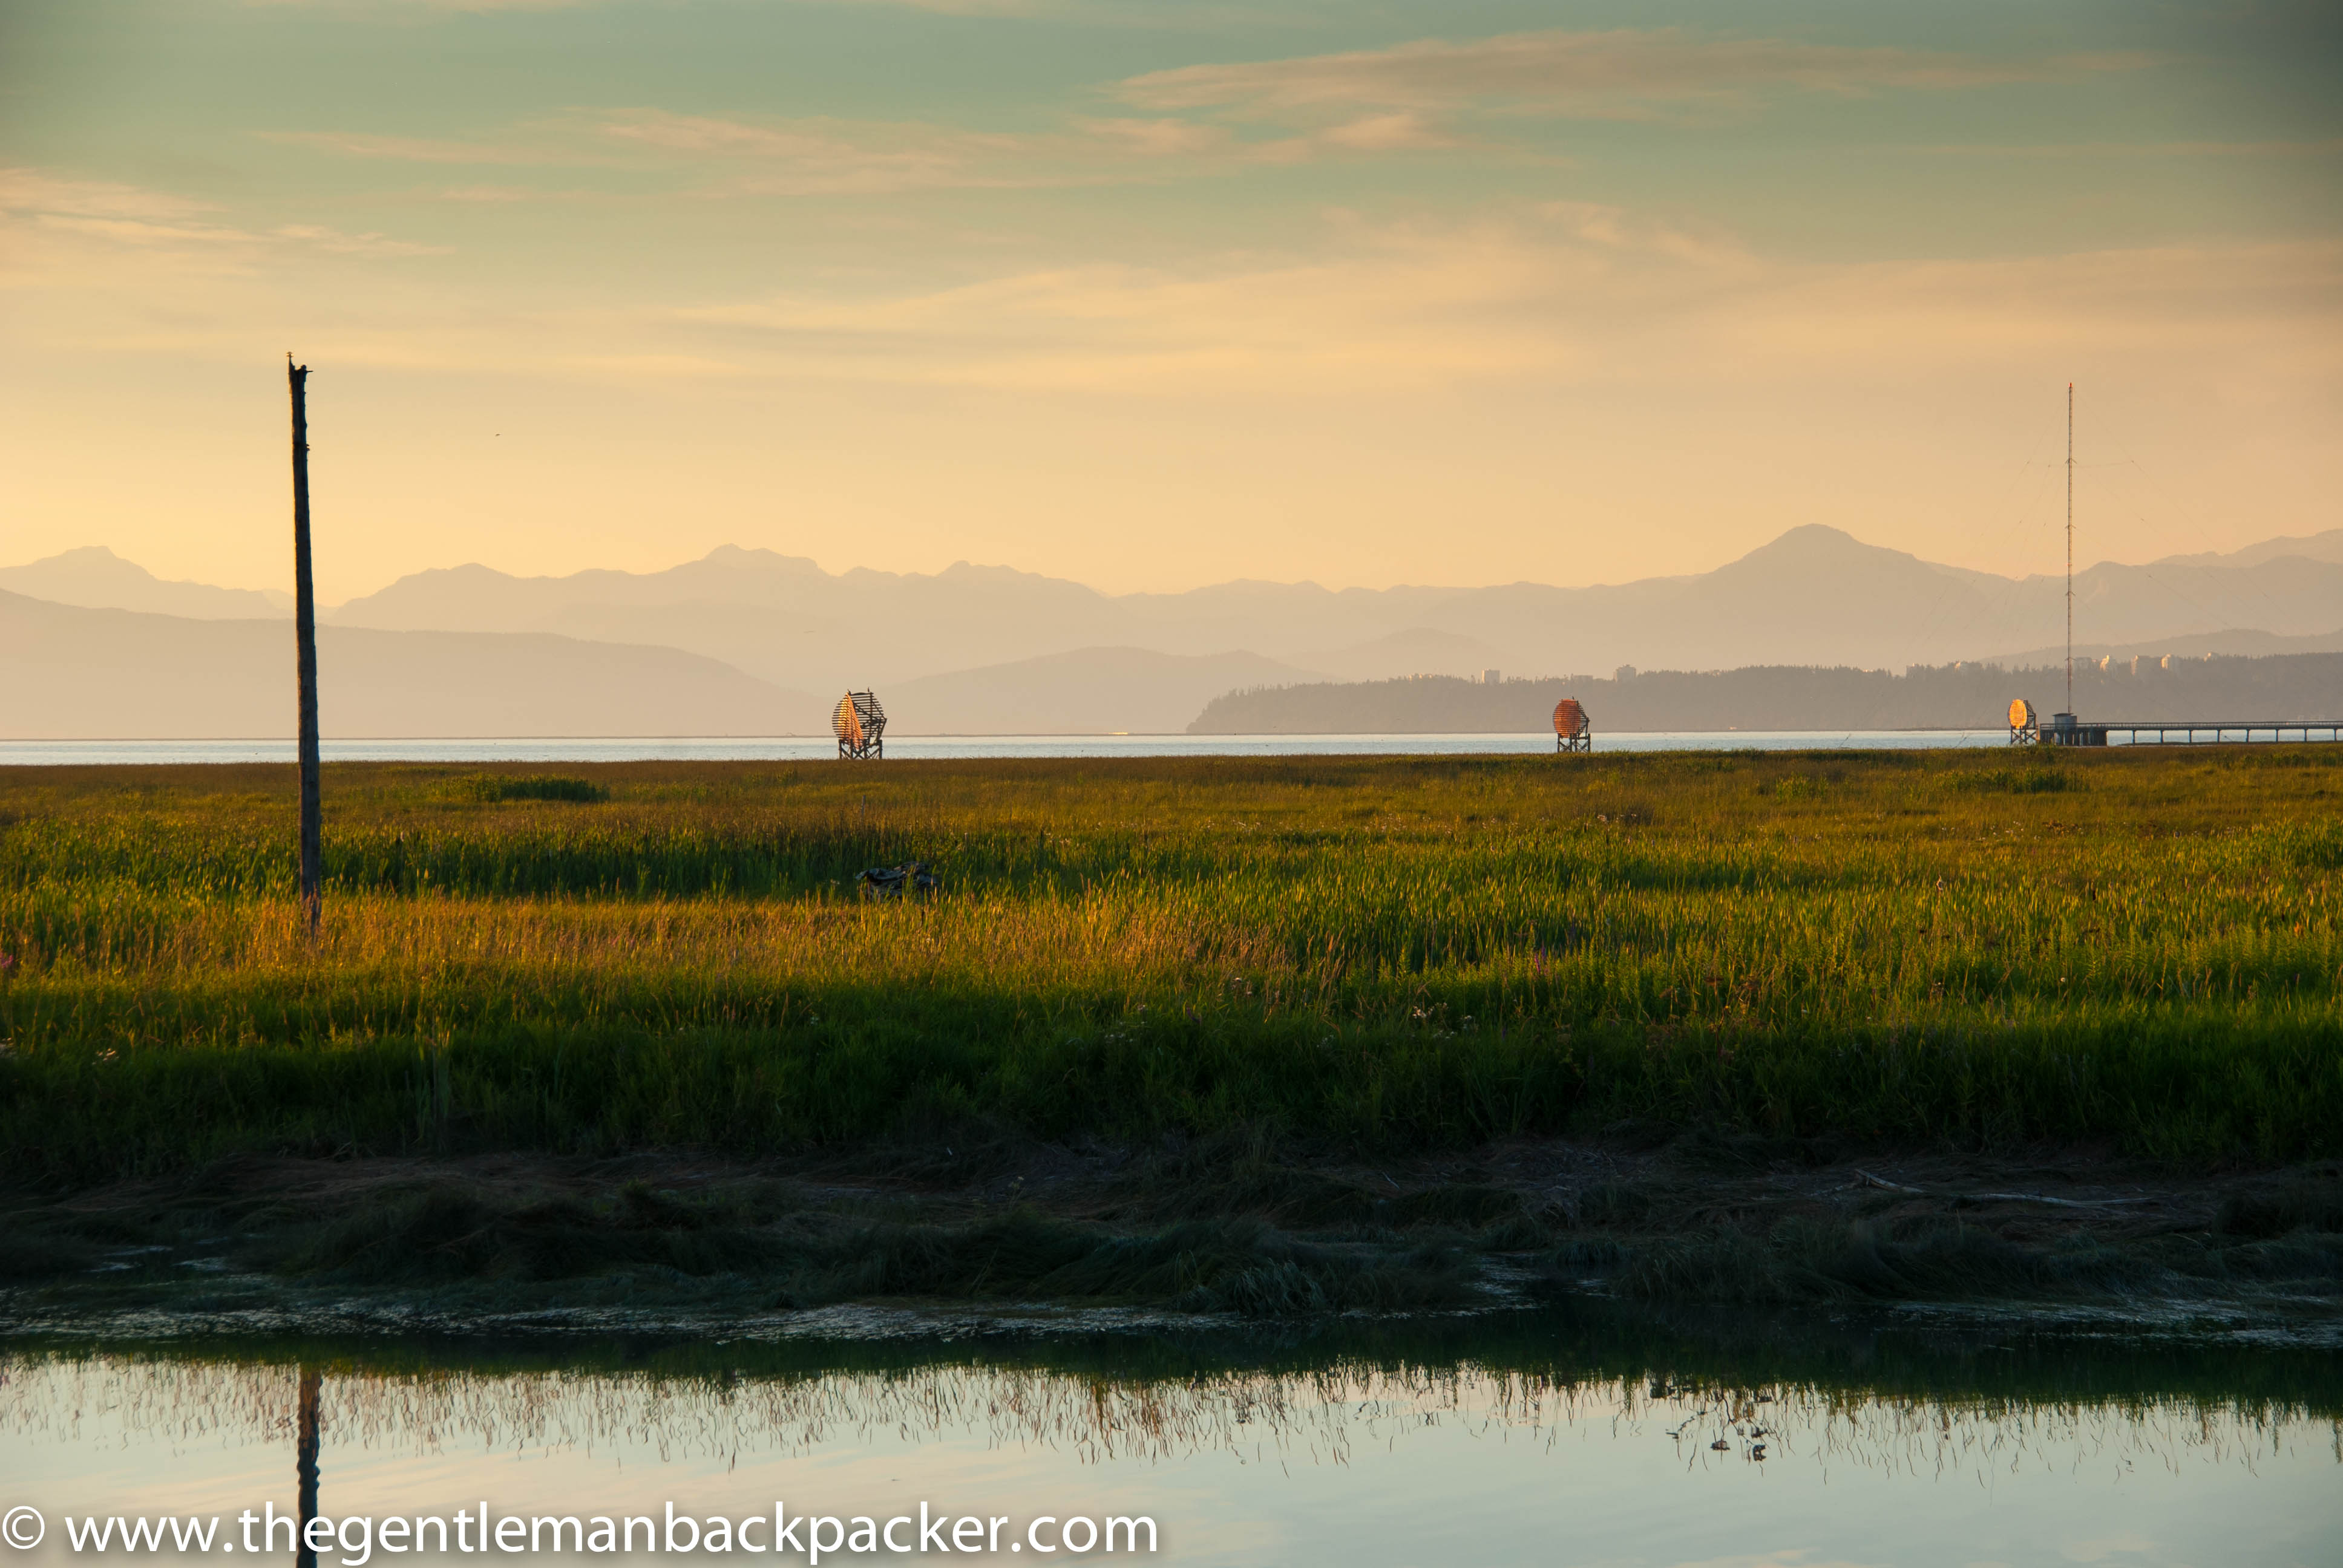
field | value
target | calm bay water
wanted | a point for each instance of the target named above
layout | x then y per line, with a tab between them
809	749
1534	1443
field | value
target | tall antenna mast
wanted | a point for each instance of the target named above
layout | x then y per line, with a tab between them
2070	546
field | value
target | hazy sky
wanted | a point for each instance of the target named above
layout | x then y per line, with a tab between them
1154	293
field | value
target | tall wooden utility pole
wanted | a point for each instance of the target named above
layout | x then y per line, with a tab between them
305	636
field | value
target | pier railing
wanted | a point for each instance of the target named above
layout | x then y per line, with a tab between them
2069	732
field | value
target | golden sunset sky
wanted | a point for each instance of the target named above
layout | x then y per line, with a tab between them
1154	295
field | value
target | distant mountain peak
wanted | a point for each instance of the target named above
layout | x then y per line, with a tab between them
92	577
753	556
89	558
974	571
2326	545
1821	539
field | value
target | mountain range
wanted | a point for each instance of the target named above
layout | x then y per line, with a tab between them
72	673
1815	596
976	649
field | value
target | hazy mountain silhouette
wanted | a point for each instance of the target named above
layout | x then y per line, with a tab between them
1815	596
72	673
2320	547
1419	647
975	647
96	578
780	618
1091	690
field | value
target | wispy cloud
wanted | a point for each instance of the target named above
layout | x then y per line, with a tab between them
821	156
833	157
413	4
1623	70
1400	131
944	7
1566	295
485	194
430	149
781	156
2331	148
811	155
342	243
31	190
141	232
967	7
58	231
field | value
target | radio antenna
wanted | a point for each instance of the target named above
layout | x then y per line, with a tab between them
2070	546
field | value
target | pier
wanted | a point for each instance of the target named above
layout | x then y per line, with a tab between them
2066	729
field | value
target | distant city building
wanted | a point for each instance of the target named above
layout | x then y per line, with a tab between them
1488	677
1625	672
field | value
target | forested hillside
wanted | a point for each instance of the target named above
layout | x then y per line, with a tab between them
1790	697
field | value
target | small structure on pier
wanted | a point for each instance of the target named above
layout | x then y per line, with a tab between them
2066	729
2063	730
860	724
1571	730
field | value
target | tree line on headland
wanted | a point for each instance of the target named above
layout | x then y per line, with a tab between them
1965	695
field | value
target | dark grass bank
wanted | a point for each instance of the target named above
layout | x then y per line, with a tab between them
1238	1226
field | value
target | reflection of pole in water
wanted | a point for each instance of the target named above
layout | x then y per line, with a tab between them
305	1468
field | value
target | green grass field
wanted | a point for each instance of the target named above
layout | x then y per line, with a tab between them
2130	950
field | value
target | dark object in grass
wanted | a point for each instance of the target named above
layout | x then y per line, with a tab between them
495	787
894	882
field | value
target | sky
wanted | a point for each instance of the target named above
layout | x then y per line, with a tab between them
1153	295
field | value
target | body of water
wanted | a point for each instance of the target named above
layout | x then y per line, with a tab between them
1529	1445
809	749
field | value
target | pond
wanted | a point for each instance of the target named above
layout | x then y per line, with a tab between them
1586	1437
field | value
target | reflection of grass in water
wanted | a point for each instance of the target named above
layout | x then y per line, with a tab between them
1420	951
1318	1413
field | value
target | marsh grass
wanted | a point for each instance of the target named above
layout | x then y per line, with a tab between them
501	787
2134	948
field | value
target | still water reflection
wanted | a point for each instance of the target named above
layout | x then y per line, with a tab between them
1533	1441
